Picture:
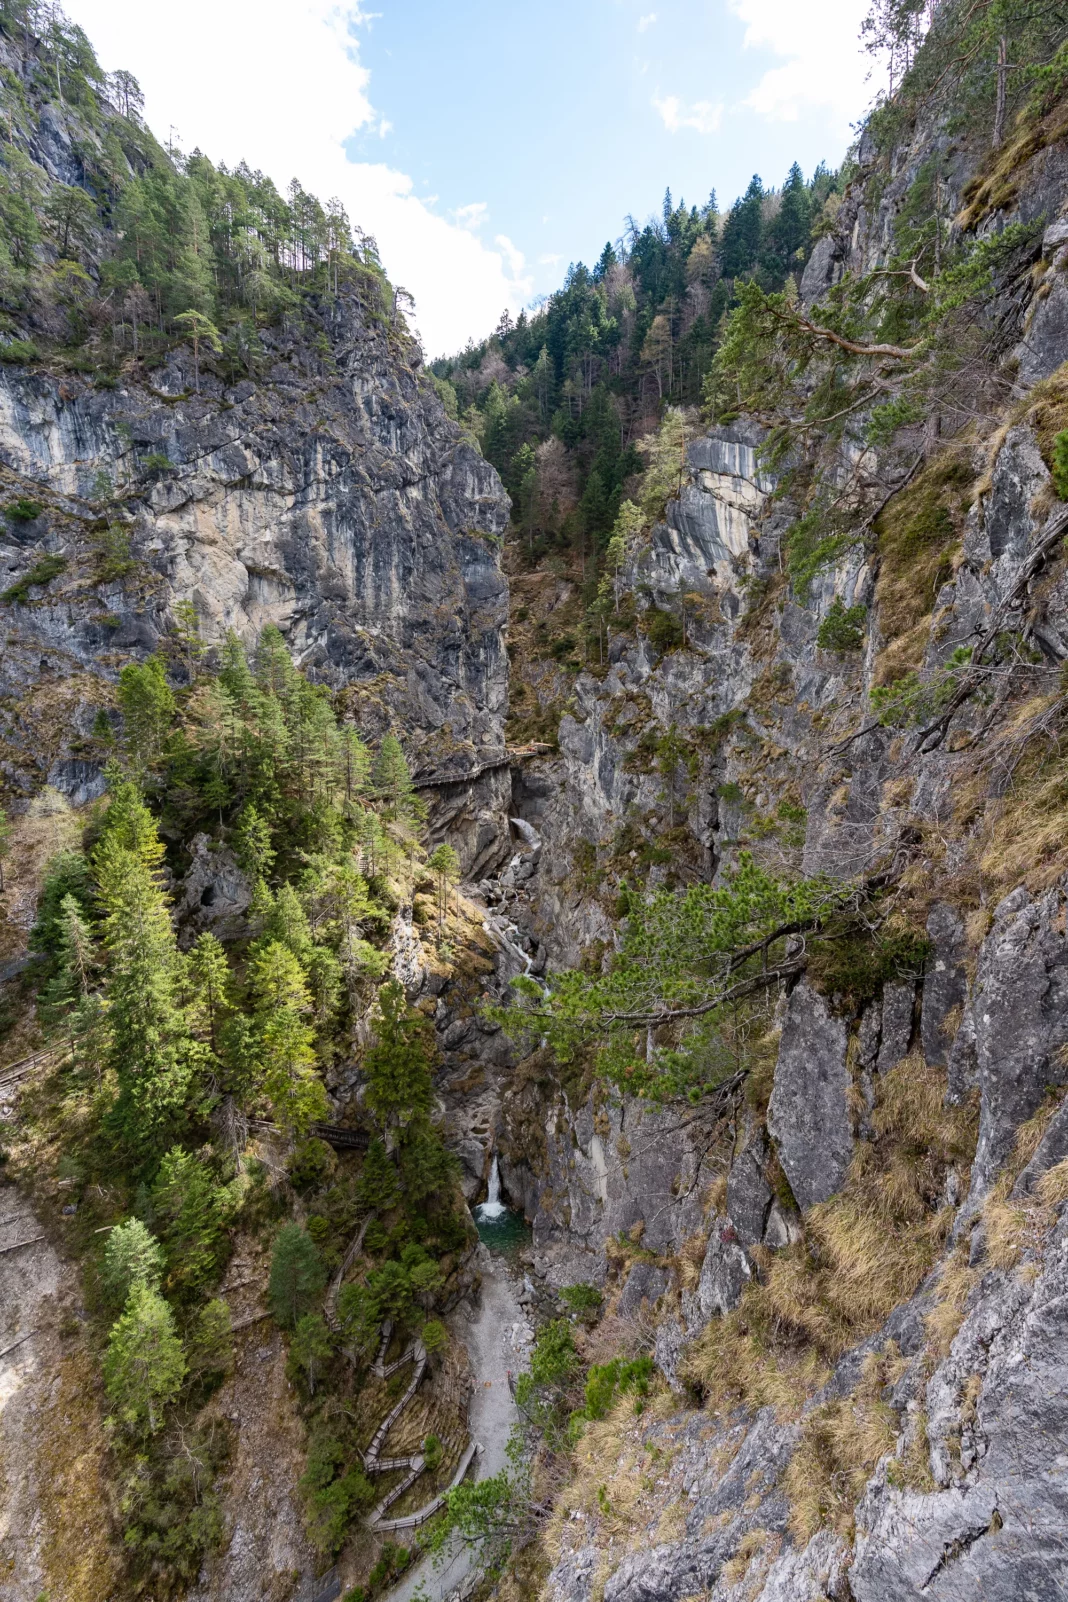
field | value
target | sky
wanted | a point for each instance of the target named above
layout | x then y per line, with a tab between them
487	144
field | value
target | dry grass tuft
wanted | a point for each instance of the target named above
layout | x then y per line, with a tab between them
1052	1188
955	1284
840	1445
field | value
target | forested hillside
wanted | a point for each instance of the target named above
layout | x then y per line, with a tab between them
561	399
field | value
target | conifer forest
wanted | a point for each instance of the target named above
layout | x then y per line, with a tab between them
534	883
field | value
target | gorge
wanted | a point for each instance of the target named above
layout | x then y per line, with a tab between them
616	773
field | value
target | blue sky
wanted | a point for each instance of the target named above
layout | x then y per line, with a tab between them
488	145
561	118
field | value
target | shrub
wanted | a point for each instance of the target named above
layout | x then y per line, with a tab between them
582	1300
18	350
23	510
843	627
43	572
1060	465
664	630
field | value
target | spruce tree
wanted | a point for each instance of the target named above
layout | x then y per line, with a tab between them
144	1365
285	1039
148	1044
310	1346
148	705
391	778
297	1275
398	1075
132	1256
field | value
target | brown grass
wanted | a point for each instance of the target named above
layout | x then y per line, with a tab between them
840	1445
918	534
955	1284
865	1251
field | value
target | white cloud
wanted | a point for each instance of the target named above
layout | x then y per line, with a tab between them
702	115
299	92
646	21
823	67
552	259
516	261
471	216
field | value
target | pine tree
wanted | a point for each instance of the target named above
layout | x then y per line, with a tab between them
740	244
297	1275
391	778
210	1342
132	1256
398	1075
378	1189
191	1209
148	706
253	846
210	988
444	864
310	1346
285	1039
356	762
148	1042
144	1365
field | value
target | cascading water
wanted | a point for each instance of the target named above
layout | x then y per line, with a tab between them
492	1207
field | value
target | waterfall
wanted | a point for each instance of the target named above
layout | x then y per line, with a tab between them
492	1207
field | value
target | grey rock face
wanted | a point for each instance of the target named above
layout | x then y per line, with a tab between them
899	1002
1020	1008
945	983
645	1283
620	1169
749	1196
1045	345
995	1527
808	1117
364	527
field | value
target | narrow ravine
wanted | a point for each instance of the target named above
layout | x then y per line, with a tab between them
497	1336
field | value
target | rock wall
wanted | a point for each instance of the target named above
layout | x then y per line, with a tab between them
334	499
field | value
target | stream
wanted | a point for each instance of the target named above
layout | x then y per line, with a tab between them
497	1335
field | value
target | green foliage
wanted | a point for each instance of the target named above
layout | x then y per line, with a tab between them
310	1347
851	963
582	1300
434	1335
297	1275
684	957
42	573
147	704
606	1381
23	510
144	1365
19	350
399	1087
842	629
663	629
1060	465
210	1344
147	1046
916	699
114	559
333	1495
489	1516
132	1256
190	1209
